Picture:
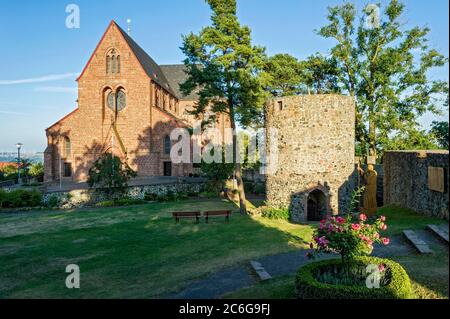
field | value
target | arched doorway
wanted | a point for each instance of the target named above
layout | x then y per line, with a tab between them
316	205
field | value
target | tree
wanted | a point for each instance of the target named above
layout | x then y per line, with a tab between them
36	170
111	173
410	139
385	68
440	132
225	68
284	75
320	74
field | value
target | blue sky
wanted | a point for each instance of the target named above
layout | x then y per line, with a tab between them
40	57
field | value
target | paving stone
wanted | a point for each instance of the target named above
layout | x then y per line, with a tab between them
260	271
417	242
439	231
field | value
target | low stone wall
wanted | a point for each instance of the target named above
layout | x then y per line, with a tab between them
89	197
406	181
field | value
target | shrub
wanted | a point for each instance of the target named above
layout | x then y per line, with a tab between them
53	201
110	173
396	286
275	213
349	236
129	202
249	187
20	198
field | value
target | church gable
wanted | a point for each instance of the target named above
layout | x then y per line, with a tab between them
112	57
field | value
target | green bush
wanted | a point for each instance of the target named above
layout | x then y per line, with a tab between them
20	198
275	213
249	187
53	201
308	286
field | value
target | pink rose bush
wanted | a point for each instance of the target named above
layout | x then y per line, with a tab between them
349	236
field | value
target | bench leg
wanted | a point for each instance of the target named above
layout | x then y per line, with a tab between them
197	220
207	219
227	219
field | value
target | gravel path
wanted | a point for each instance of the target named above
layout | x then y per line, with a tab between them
241	276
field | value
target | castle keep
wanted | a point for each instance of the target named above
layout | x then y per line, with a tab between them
316	143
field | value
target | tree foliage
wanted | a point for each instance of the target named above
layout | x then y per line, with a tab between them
385	67
440	132
111	173
225	68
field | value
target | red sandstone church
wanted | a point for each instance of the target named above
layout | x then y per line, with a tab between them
127	105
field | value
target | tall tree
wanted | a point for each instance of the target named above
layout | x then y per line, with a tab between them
439	130
385	68
320	74
224	66
284	75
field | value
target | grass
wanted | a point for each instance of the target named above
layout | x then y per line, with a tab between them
429	274
130	252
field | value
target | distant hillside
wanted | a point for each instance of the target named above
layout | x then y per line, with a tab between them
12	157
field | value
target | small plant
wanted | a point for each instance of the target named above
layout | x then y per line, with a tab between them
111	173
355	199
275	213
348	236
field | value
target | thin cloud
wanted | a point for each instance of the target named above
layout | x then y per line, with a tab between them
56	89
45	78
13	113
28	106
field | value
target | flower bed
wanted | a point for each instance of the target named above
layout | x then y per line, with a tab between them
313	280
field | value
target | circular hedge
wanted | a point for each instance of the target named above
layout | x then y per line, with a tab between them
397	287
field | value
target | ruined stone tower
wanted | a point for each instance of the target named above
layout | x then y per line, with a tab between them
315	173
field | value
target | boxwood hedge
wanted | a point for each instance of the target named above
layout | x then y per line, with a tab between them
398	287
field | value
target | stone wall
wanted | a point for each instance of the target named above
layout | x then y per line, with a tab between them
89	197
316	136
406	181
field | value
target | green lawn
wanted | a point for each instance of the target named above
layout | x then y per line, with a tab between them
429	274
131	252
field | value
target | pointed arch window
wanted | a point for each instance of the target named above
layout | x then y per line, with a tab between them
67	147
167	145
112	62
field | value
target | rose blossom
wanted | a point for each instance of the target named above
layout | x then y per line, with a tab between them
340	220
356	227
383	218
383	226
386	241
381	267
362	217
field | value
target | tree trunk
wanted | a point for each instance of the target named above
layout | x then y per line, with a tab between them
238	168
372	138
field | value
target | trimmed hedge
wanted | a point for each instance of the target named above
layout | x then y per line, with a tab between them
399	286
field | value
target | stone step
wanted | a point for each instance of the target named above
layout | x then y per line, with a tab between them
260	271
439	231
421	246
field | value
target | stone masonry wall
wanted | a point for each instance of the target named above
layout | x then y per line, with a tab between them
406	181
315	152
89	197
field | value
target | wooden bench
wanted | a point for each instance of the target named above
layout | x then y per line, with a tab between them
179	215
220	213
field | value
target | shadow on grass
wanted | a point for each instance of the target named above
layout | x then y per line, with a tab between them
136	252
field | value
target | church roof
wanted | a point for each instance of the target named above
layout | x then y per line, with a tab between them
148	64
176	74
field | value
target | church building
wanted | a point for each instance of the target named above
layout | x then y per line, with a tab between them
127	105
